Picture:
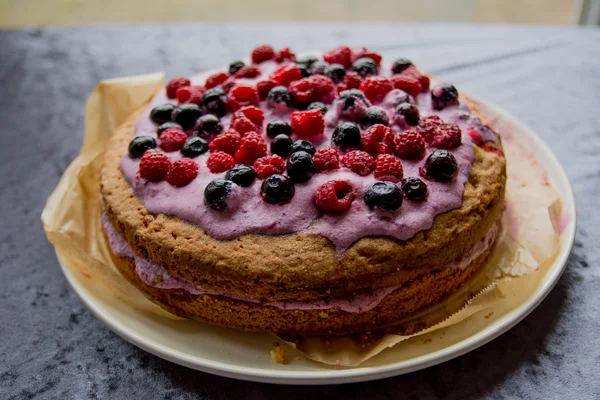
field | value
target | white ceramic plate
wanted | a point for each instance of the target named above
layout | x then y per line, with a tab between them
243	355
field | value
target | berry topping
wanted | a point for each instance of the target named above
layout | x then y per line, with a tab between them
264	87
280	96
269	165
214	101
335	72
340	55
303	145
172	139
326	160
277	127
248	71
175	84
228	142
415	73
190	94
139	145
216	80
285	54
400	65
377	139
414	189
154	166
304	69
409	113
324	88
440	166
363	52
300	166
352	104
318	68
359	162
262	53
182	172
216	193
252	147
286	74
375	115
194	147
307	124
317	105
243	125
277	189
384	195
352	80
254	114
388	168
235	66
334	196
437	133
281	145
346	136
365	66
444	95
307	60
162	113
395	97
208	126
167	125
376	87
303	91
409	144
219	162
429	126
241	175
241	96
407	83
186	115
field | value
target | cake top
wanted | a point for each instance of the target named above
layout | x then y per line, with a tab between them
343	145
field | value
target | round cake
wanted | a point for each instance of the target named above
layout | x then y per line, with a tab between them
319	194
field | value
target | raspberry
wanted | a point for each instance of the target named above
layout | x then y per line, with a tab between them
340	55
415	73
248	71
363	52
228	142
285	54
175	84
172	139
408	83
409	144
388	168
262	53
475	136
286	74
219	162
303	91
359	161
190	94
228	84
216	79
269	165
377	139
264	87
334	196
340	88
428	126
154	166
241	96
324	88
326	160
254	114
243	125
182	172
375	88
307	124
440	134
252	147
352	80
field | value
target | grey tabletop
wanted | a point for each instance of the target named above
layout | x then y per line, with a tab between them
52	347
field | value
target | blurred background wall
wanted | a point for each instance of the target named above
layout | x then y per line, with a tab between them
16	13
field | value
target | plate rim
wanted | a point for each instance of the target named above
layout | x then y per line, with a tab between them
359	374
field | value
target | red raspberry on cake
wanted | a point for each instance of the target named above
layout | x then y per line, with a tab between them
254	114
248	71
408	83
264	87
352	80
388	168
172	139
228	142
285	54
216	80
375	88
339	55
428	126
243	125
190	94
154	166
359	162
409	144
286	74
415	73
324	88
472	132
377	139
175	84
438	133
242	95
307	124
182	172
252	147
229	84
219	162
262	53
269	165
363	52
303	91
334	196
326	160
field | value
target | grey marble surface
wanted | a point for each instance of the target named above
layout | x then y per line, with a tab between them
51	347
